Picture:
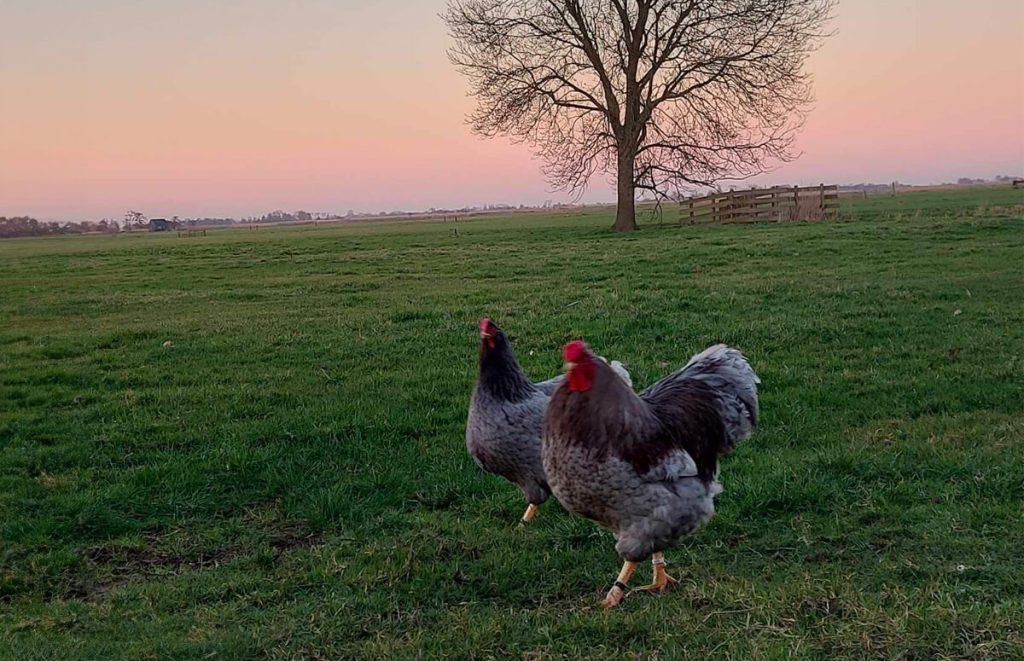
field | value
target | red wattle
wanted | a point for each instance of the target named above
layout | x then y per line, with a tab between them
581	377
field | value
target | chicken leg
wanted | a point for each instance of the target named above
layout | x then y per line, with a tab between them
661	578
618	590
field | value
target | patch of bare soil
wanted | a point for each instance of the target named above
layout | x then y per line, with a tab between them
125	565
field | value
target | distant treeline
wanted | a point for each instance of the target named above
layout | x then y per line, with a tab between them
962	181
25	226
272	217
296	217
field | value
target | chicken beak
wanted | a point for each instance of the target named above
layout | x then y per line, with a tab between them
569	365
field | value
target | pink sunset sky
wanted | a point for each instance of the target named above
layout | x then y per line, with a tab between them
236	108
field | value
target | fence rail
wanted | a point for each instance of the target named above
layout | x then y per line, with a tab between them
762	205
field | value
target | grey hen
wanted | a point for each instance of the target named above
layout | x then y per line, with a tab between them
506	414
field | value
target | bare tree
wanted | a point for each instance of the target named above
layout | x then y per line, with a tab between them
659	95
133	219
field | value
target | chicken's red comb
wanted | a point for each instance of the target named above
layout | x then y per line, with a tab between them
488	326
575	351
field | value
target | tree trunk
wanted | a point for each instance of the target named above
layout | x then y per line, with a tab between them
625	214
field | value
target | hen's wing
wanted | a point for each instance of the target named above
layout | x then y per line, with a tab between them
504	439
551	385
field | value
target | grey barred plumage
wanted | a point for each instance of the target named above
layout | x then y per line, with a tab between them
506	413
644	466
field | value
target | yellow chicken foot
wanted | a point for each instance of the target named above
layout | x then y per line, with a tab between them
661	578
618	590
529	514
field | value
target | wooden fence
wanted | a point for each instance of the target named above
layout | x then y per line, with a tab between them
762	205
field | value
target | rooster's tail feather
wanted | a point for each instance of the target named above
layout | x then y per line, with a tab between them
734	382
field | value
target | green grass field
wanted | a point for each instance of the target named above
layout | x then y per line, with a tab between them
288	478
